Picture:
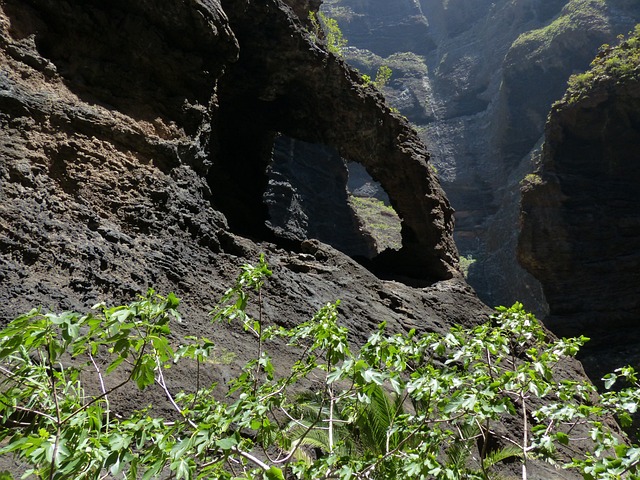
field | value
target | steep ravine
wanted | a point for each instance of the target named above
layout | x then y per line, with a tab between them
134	144
580	222
490	72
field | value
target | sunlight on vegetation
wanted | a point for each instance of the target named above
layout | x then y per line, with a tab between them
574	16
403	406
531	179
326	30
383	75
465	263
621	61
380	221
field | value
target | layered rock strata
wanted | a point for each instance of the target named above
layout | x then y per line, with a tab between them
580	222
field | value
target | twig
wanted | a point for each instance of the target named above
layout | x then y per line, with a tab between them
102	388
160	381
525	440
100	397
58	415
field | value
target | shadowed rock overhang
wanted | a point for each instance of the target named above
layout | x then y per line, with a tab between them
227	77
284	83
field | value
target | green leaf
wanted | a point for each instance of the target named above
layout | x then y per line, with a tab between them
144	374
609	380
274	473
154	470
183	468
625	419
563	438
227	443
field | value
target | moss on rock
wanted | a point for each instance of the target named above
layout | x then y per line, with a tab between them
620	62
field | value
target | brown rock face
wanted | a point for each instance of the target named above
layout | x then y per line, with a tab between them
581	222
291	86
133	133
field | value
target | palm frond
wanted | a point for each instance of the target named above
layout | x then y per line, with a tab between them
376	419
496	456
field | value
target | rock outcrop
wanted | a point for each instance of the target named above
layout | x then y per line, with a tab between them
491	70
315	98
580	213
134	144
131	130
135	139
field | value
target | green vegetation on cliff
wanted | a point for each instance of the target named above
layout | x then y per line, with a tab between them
422	406
576	15
619	62
327	28
379	220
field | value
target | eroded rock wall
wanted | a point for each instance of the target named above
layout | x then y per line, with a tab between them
117	124
580	222
122	126
490	72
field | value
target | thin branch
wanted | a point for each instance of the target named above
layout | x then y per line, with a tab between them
525	439
102	388
58	415
485	444
28	410
255	385
298	442
250	457
161	381
19	379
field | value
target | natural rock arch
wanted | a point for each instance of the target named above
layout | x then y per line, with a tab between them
290	85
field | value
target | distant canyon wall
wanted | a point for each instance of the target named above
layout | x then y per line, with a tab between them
490	72
581	213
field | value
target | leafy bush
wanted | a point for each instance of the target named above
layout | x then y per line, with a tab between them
619	62
327	28
416	405
465	263
383	75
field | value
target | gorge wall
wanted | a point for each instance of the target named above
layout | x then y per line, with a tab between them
580	222
125	138
134	144
135	139
477	78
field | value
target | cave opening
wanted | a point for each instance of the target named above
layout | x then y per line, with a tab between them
313	192
280	189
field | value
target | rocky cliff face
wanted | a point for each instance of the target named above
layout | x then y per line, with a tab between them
135	139
490	72
138	129
580	223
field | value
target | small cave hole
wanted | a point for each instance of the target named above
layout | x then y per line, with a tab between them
371	204
314	193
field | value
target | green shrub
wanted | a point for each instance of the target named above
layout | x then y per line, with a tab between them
383	75
412	405
618	62
327	28
465	264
